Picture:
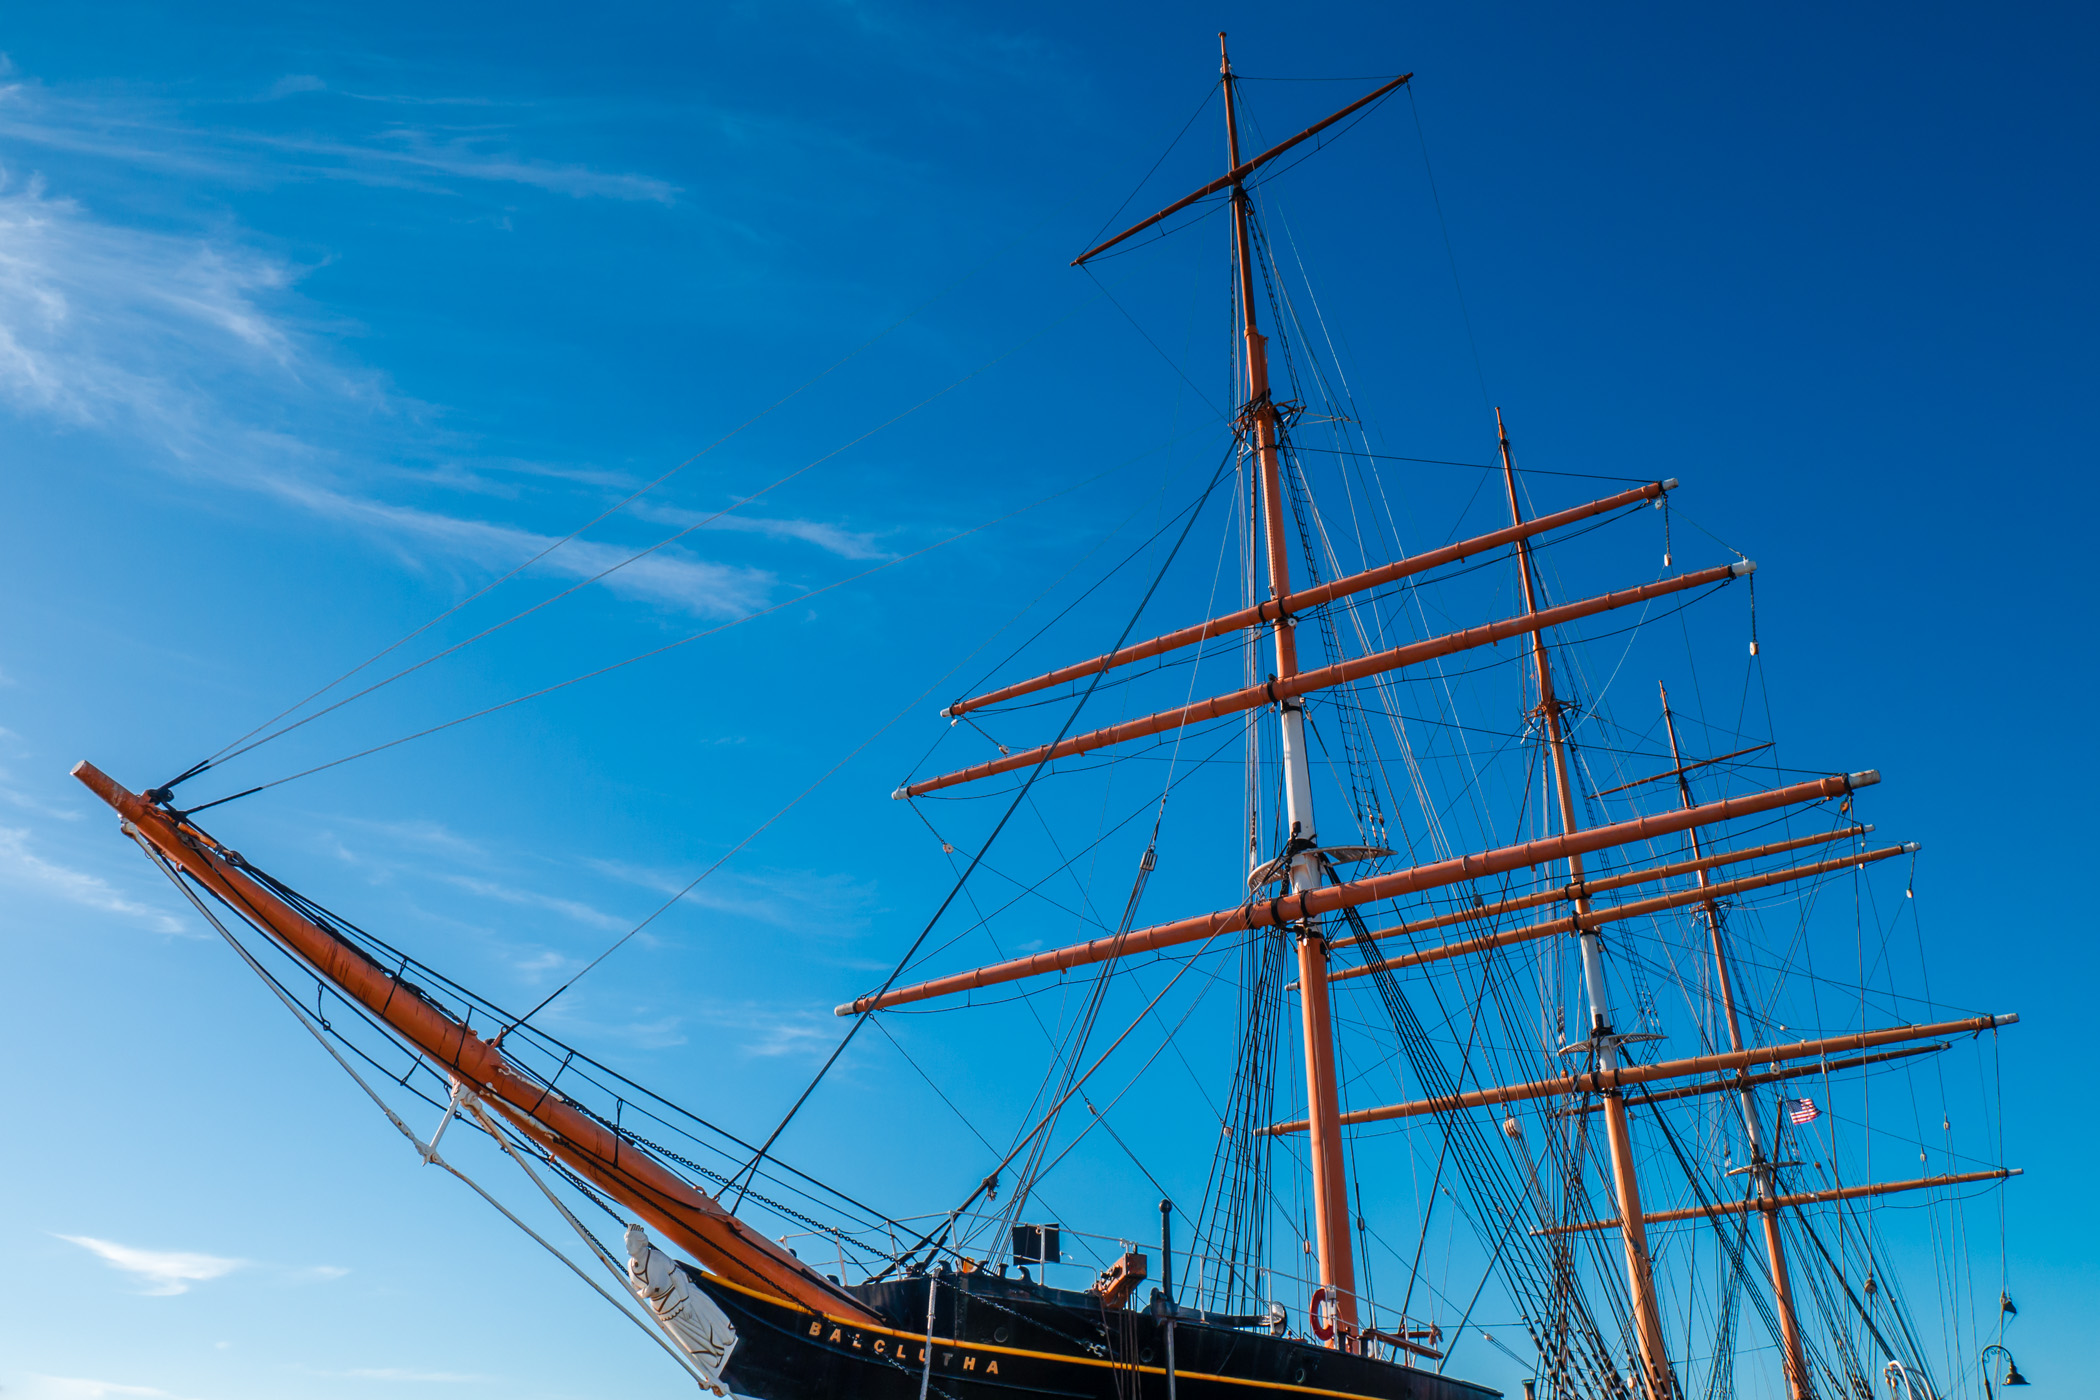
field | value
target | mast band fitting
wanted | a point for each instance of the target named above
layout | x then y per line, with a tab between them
1742	568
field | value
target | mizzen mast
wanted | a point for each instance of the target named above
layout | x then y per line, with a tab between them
1604	1042
1762	1169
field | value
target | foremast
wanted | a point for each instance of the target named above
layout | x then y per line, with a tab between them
1603	1041
1259	423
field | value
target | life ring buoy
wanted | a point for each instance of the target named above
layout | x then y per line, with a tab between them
1314	1316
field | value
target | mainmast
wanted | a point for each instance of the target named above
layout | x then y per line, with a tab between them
1604	1043
1258	420
1762	1169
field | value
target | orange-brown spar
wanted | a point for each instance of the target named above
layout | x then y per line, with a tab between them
1599	884
1738	1081
1269	610
1632	909
1291	908
1803	1198
686	1215
1289	687
1241	169
1665	1069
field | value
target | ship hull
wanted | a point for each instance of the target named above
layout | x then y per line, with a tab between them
1001	1341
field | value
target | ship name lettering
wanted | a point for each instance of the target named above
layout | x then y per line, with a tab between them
856	1341
816	1329
991	1368
837	1334
879	1345
969	1363
946	1357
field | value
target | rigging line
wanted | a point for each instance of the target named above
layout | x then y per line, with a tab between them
1208	93
1437	199
1140	329
1032	1172
1027	607
1239	77
668	540
696	636
1042	1122
1026	891
1100	1115
345	928
1459	1332
299	1014
975	860
960	1116
623	504
1090	589
725	857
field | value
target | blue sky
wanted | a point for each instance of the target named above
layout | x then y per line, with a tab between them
316	319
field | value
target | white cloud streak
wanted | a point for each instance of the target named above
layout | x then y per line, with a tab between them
173	340
164	1272
25	870
568	908
835	539
396	153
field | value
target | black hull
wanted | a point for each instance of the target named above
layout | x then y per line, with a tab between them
996	1339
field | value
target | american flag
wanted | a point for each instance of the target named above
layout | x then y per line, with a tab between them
1803	1111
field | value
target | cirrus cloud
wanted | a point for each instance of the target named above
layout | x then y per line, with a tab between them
164	1272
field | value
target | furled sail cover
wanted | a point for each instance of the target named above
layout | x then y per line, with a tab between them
700	1329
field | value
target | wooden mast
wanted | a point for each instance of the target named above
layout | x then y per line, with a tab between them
1762	1172
1258	420
1647	1312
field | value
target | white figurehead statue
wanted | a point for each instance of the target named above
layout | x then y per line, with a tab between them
696	1326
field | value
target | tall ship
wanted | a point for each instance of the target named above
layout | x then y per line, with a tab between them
1523	989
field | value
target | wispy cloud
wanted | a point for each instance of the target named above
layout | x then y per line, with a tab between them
164	1272
774	1031
29	802
848	544
89	312
433	156
568	908
191	345
788	899
23	869
668	576
430	837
